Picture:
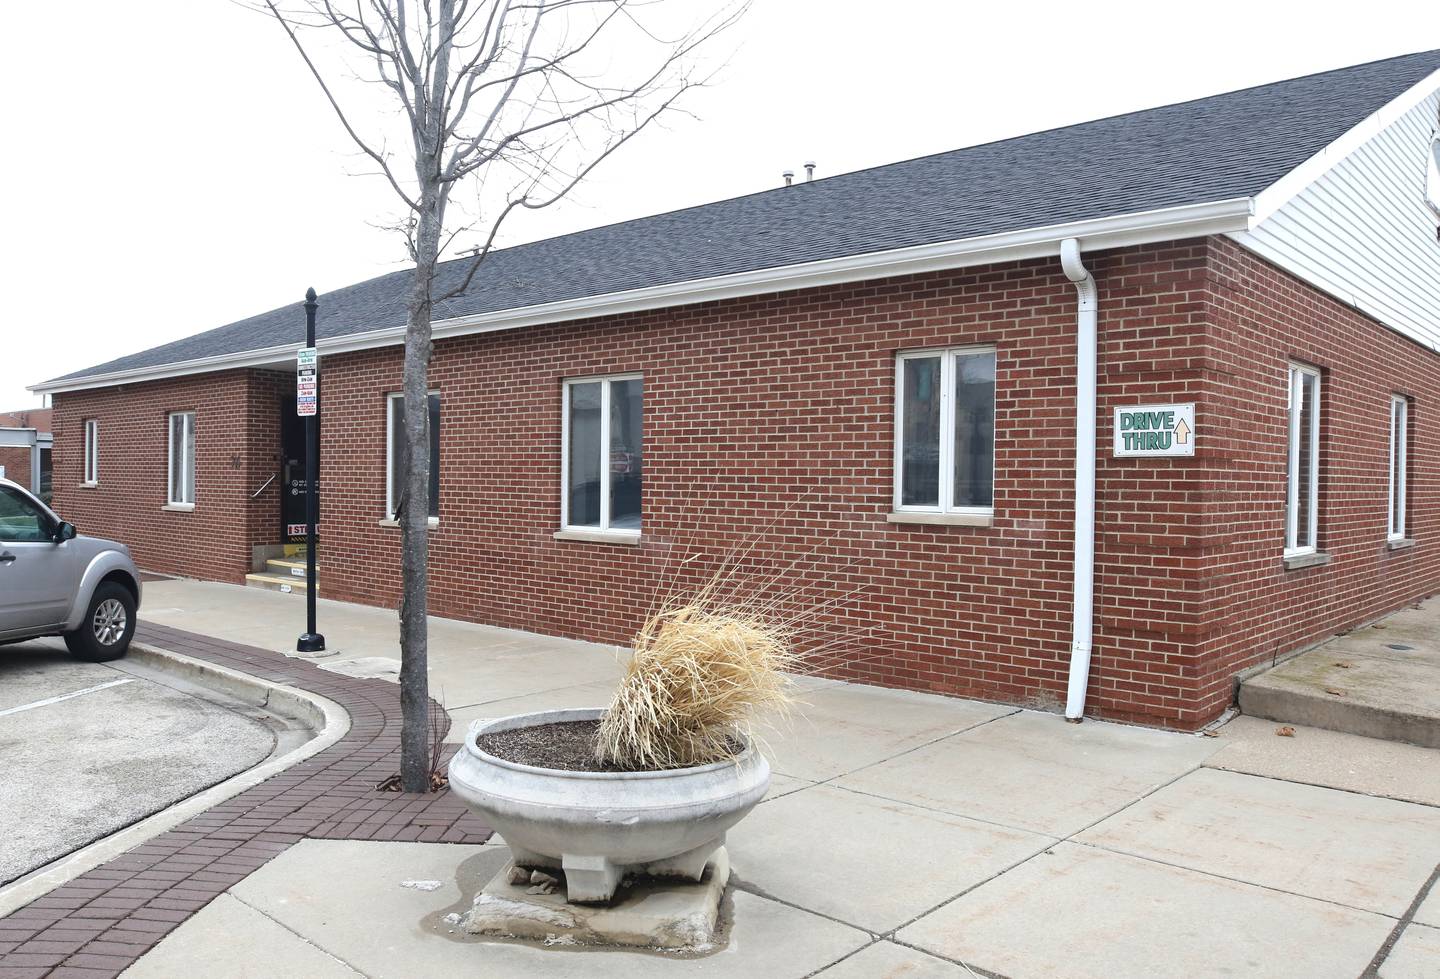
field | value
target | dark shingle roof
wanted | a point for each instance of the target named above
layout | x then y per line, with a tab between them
1211	149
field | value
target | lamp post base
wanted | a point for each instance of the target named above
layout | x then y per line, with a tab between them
310	642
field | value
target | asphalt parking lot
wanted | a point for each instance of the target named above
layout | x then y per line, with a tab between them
89	748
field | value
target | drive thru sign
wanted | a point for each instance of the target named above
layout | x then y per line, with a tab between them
1155	430
306	382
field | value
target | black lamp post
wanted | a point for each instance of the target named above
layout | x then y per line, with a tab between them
311	641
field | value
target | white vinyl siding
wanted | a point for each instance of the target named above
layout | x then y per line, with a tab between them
1363	231
601	457
1302	503
1399	464
945	431
92	452
182	459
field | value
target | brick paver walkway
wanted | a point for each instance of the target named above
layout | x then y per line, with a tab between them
102	921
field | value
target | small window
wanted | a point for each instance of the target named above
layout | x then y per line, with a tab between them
1399	463
395	443
182	458
92	452
601	458
945	431
1302	500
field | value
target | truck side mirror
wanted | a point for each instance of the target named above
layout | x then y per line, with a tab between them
64	532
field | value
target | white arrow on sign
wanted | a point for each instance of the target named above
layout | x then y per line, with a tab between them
1182	432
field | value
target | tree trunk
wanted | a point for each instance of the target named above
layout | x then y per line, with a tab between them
414	520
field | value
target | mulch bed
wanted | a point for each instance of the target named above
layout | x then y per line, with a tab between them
565	745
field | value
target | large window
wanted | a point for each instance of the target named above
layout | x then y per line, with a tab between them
1302	503
945	431
1399	462
602	468
182	459
92	452
395	443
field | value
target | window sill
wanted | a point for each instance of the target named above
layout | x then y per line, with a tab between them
599	537
1313	560
943	519
1401	544
89	485
179	507
395	524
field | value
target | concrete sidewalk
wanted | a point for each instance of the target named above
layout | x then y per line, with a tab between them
904	834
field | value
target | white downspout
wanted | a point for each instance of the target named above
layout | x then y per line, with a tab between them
1084	587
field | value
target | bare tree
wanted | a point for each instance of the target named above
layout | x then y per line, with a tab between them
517	101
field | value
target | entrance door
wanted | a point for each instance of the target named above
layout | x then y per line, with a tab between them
292	470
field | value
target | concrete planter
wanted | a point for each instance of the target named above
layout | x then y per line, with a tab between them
597	826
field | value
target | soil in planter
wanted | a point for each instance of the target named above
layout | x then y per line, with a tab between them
566	745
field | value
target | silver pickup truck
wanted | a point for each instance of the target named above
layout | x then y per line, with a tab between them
55	583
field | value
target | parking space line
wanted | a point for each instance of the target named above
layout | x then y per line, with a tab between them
65	696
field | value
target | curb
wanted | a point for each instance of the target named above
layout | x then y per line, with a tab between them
327	719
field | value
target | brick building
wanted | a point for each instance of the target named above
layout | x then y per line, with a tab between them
898	389
25	444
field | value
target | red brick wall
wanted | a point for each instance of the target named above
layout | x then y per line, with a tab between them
1262	319
16	460
768	429
236	426
768	425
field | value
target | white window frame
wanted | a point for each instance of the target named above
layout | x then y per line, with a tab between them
1297	374
390	399
948	357
1399	464
604	380
92	452
187	428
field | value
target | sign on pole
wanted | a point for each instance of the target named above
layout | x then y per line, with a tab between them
1155	430
307	389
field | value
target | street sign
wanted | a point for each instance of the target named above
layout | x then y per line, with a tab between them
1155	430
307	388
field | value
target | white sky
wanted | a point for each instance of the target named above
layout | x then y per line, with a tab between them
170	167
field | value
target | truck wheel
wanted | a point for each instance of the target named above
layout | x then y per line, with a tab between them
108	625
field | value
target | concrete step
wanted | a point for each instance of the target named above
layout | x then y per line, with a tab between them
275	582
1382	681
287	566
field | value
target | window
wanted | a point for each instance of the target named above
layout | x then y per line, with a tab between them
182	459
601	459
945	431
1303	495
1399	461
21	521
395	443
92	452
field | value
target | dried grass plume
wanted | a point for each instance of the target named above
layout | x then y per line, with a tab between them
702	673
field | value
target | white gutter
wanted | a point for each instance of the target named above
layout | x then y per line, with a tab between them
1118	231
1083	611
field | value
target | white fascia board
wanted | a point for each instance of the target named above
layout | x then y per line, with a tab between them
1278	194
1120	231
11	438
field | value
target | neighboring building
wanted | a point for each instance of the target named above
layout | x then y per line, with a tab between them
869	384
25	443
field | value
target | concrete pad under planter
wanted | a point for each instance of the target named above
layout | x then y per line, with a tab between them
1034	772
650	913
1084	913
348	898
1352	849
1415	956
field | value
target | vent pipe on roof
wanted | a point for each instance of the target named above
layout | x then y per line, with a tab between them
1083	605
789	176
809	170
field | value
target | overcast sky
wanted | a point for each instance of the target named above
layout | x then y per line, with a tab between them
170	167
